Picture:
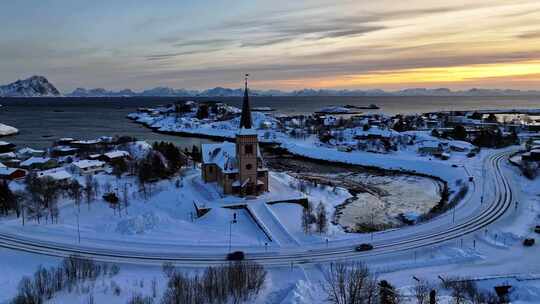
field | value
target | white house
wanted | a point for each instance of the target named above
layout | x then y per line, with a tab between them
87	166
114	155
57	174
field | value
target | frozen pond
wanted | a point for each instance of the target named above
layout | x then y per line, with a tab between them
379	199
390	197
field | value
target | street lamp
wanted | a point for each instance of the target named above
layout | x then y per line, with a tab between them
233	221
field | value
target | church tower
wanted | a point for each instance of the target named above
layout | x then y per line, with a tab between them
247	149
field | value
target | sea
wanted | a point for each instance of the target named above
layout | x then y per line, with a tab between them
43	120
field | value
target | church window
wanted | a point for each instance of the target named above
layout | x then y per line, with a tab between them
249	166
248	149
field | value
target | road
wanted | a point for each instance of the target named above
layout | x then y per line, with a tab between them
470	217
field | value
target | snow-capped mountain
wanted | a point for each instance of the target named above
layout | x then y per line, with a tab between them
35	86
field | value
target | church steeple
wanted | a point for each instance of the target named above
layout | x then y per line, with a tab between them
245	120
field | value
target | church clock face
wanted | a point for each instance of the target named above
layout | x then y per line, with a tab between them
249	166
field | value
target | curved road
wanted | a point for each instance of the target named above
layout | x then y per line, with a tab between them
434	232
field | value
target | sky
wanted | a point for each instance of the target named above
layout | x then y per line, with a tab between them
357	44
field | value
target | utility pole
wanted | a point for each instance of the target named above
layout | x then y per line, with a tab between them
372	227
78	229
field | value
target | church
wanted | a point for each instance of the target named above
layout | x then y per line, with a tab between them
238	167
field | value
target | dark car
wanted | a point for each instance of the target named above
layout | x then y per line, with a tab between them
471	154
364	247
236	256
537	229
528	242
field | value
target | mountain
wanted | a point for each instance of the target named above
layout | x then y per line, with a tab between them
35	86
100	92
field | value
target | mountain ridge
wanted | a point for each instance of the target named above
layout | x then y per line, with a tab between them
39	86
230	92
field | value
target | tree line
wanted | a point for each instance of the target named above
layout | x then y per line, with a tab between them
47	282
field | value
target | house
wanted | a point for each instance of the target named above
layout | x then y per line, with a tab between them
11	173
535	155
87	166
57	174
65	141
63	151
238	168
38	163
430	148
8	155
86	145
29	152
114	155
6	147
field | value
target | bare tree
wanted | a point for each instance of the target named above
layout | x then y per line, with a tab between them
322	219
89	189
422	290
234	283
349	283
75	192
306	221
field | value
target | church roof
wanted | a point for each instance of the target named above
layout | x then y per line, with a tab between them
222	155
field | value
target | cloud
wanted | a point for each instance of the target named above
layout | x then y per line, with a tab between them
167	56
529	35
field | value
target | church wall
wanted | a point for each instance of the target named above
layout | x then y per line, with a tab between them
209	172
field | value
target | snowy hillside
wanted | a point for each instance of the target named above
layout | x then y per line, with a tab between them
35	86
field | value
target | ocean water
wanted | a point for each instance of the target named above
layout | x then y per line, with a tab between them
42	120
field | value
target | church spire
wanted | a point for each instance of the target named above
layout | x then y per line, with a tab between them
245	120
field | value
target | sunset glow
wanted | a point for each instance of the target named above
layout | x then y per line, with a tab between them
315	44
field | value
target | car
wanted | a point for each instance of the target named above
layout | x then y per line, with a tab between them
454	166
537	229
471	178
528	242
471	154
364	247
236	256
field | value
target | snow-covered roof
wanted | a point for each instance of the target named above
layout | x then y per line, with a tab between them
6	171
461	144
334	110
116	154
376	131
65	149
222	155
35	160
56	174
7	155
30	151
87	142
87	163
4	143
2	165
429	144
7	130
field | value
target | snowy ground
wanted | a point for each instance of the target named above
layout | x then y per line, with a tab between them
167	216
